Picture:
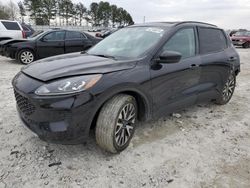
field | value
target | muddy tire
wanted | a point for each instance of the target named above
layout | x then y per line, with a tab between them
116	123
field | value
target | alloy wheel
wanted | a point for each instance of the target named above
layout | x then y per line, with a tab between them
27	57
229	88
125	124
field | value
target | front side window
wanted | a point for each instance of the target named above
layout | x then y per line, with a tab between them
54	36
211	40
127	43
183	42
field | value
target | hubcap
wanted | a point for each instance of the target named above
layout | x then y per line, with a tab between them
27	57
125	124
229	88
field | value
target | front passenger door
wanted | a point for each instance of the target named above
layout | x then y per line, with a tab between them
174	86
51	44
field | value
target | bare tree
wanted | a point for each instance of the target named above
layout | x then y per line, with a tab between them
12	9
21	10
4	14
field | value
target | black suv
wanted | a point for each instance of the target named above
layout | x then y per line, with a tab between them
138	73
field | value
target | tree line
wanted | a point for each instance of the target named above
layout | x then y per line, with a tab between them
42	12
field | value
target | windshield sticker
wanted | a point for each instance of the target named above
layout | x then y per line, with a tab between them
155	30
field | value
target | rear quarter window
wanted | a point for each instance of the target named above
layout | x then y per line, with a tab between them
11	25
211	40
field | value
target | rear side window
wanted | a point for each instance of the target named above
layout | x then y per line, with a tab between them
211	40
11	25
74	35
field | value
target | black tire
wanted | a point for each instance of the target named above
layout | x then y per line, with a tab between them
227	91
113	132
26	56
246	45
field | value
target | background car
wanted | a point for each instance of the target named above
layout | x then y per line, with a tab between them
28	30
105	33
241	38
11	30
50	43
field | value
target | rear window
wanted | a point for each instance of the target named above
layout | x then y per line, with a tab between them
25	28
211	40
11	25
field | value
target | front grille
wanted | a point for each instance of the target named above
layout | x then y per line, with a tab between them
24	104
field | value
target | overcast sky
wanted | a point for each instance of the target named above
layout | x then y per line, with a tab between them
228	14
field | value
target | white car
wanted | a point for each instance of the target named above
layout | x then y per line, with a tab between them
11	30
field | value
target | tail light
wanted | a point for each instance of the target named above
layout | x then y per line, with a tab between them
23	33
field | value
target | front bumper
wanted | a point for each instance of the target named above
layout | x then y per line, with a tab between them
10	52
65	119
238	43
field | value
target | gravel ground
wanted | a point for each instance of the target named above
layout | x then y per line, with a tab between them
204	146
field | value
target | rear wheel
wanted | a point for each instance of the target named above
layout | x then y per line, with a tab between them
116	123
26	56
246	45
228	90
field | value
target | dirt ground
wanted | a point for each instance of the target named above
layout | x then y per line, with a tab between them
208	146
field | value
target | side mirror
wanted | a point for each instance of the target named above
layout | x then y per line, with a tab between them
169	57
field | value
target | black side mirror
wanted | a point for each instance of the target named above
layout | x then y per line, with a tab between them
169	57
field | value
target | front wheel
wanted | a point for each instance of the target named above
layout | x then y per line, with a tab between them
26	56
227	91
116	123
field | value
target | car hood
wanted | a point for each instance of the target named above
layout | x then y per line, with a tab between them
12	41
74	64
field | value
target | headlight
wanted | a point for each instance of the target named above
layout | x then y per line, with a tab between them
69	85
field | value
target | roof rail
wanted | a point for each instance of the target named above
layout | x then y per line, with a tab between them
195	22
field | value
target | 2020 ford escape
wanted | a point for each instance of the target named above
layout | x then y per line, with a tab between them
138	73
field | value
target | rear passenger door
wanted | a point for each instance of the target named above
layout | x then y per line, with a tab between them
174	86
215	66
51	44
75	41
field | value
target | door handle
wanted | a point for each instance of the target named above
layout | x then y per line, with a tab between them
232	59
194	66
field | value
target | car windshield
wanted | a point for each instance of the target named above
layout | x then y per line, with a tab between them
240	33
128	43
36	34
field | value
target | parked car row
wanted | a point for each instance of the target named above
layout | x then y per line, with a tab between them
46	44
105	33
241	38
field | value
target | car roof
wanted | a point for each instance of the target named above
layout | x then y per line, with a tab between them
174	24
9	21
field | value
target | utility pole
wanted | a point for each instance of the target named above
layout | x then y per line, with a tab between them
144	19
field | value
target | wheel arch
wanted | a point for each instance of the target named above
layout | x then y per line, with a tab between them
143	102
25	48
